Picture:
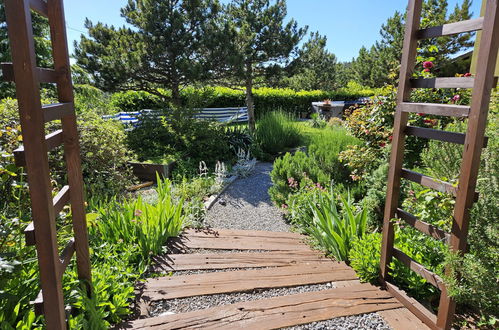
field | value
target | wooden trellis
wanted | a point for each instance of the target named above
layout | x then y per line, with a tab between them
473	141
36	145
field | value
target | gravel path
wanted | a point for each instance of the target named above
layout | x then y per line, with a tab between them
246	204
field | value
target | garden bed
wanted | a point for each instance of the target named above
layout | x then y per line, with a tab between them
149	171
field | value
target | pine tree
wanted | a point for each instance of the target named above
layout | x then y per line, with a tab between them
262	44
41	35
315	67
171	43
379	65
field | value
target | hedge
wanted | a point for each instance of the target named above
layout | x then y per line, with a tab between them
266	99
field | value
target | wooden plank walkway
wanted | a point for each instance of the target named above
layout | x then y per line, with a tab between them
178	262
223	239
278	260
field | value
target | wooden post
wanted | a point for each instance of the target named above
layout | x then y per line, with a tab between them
33	116
398	141
475	134
70	136
20	32
473	141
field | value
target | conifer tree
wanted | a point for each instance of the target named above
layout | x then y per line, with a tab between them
168	44
262	44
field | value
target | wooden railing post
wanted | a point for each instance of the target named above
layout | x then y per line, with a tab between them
36	145
473	141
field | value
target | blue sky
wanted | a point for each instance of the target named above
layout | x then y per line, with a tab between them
348	25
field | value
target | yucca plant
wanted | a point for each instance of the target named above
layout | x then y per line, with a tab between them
335	227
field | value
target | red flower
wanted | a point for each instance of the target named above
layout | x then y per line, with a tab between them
390	137
420	114
427	64
467	74
426	70
427	120
382	144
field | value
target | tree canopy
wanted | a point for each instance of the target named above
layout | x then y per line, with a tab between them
315	67
262	43
168	44
379	65
43	48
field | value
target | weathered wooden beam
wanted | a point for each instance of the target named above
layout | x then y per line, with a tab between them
451	28
444	82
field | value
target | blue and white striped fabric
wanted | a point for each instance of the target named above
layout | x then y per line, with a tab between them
223	115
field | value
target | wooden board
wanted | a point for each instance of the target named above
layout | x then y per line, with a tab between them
239	240
402	318
278	312
215	232
176	262
161	288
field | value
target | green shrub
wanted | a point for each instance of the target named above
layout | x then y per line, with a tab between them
365	260
365	257
188	140
275	132
104	157
292	172
443	162
317	121
374	199
266	99
320	165
239	138
91	99
131	101
325	149
473	278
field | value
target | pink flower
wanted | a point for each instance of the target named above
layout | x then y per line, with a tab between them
138	213
427	70
366	131
284	206
456	98
390	137
467	74
427	64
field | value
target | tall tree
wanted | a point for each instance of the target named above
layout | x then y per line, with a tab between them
315	67
379	65
43	48
261	45
170	44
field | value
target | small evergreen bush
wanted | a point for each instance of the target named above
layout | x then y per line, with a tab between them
292	172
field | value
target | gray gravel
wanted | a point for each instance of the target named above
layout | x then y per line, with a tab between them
246	204
183	305
366	321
